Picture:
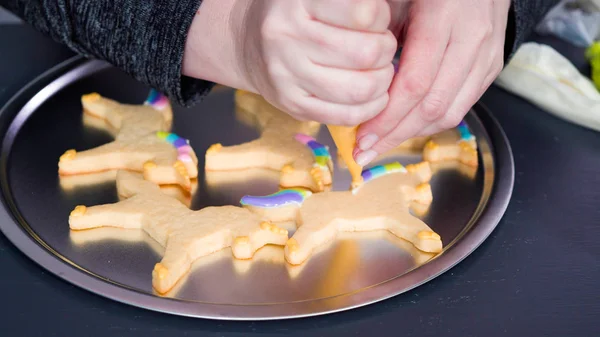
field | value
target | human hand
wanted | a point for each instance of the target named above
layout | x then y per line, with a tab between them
452	52
322	60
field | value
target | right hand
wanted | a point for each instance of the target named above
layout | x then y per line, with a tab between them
324	60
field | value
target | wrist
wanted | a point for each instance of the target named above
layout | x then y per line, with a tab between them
214	42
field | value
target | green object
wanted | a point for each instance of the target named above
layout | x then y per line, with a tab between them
593	55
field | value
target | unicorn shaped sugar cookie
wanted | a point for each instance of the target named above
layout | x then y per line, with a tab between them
381	202
284	145
142	143
186	235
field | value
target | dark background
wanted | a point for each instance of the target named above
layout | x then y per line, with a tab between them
537	275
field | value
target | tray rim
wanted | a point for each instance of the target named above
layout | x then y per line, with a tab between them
45	85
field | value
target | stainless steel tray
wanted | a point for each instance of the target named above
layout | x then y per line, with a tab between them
45	118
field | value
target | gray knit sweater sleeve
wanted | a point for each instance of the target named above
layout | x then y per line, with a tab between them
144	38
524	16
147	38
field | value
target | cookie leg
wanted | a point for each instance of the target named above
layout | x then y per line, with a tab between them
124	214
174	265
168	174
421	170
182	249
244	247
131	183
314	178
468	154
417	232
238	157
102	158
303	243
420	194
155	161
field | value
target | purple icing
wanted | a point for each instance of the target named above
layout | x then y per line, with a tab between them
367	175
180	142
274	200
314	145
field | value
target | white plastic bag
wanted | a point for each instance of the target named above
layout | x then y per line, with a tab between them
575	21
541	75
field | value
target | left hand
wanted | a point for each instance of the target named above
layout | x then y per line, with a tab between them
452	52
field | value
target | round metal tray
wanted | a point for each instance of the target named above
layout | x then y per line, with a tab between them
45	118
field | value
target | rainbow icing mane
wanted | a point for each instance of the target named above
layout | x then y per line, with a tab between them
465	134
291	196
381	170
156	100
320	151
181	144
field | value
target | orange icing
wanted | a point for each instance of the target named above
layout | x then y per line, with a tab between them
345	140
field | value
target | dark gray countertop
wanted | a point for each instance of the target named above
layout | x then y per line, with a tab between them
537	275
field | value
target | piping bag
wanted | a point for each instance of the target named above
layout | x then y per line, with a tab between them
344	138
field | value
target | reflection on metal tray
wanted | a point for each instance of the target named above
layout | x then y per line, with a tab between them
45	118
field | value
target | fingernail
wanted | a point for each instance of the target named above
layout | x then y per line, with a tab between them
367	142
365	157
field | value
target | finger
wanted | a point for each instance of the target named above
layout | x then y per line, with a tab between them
426	41
340	114
345	86
364	15
488	66
346	49
457	64
458	61
461	55
466	98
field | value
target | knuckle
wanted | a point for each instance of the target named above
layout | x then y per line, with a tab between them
307	109
388	75
389	44
413	86
433	106
391	141
484	31
498	66
363	89
351	119
367	54
368	111
270	30
450	122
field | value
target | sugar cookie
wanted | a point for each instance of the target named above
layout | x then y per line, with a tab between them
285	145
186	235
381	202
141	144
454	144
